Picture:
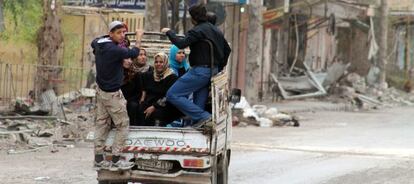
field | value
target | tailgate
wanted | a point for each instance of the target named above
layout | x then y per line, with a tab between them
164	140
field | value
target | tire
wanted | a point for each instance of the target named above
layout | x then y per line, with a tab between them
214	171
223	170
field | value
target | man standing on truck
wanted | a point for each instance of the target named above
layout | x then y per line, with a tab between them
111	104
197	79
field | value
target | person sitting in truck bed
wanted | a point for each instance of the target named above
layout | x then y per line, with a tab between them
178	61
157	110
133	87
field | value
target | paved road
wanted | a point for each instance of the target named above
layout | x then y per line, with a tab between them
329	147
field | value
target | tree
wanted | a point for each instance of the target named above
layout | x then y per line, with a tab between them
184	18
49	43
153	15
24	17
164	14
175	14
1	16
156	15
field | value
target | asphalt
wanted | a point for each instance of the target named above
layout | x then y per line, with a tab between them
329	147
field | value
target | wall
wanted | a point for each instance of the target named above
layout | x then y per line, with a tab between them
401	4
321	49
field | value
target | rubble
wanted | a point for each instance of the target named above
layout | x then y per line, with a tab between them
42	178
357	82
54	121
26	106
264	122
79	101
50	103
23	134
260	115
334	73
360	92
298	82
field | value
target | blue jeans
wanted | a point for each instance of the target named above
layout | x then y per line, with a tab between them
195	81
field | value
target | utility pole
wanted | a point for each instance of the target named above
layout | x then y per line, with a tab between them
254	51
383	45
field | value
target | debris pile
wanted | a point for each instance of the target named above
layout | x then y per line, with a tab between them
355	89
36	132
57	121
260	115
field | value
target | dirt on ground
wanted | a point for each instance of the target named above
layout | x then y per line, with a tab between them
61	165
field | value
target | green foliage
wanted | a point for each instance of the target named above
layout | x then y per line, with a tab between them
23	19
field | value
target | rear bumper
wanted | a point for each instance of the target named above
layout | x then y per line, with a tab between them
150	177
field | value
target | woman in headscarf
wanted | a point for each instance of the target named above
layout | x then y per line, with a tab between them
133	87
157	110
178	61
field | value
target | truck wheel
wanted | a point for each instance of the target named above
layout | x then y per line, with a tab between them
222	170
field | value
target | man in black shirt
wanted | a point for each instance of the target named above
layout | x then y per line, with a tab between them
197	79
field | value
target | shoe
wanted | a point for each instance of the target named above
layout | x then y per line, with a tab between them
207	125
104	164
121	165
201	123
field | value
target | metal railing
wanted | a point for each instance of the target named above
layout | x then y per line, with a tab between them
22	80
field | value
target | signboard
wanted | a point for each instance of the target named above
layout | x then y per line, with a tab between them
271	15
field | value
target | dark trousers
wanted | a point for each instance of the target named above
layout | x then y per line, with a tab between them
136	117
163	116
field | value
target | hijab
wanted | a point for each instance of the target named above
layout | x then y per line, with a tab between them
167	71
174	64
136	68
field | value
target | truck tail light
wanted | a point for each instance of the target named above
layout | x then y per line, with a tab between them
194	163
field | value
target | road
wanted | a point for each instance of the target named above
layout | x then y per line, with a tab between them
329	147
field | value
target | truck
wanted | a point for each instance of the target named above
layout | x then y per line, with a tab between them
180	154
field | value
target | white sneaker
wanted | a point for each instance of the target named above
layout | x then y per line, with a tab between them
104	164
121	165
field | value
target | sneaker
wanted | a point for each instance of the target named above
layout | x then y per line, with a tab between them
201	123
207	125
104	164
121	165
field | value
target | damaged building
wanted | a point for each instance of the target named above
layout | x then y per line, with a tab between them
308	47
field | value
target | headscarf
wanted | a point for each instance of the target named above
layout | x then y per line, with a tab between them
167	71
174	64
136	68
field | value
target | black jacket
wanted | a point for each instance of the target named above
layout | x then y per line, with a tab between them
132	89
200	50
108	58
156	91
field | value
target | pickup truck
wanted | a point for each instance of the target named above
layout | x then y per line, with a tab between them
181	155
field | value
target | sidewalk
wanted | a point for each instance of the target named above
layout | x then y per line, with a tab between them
308	105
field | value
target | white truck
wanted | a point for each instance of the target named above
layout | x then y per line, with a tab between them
181	155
